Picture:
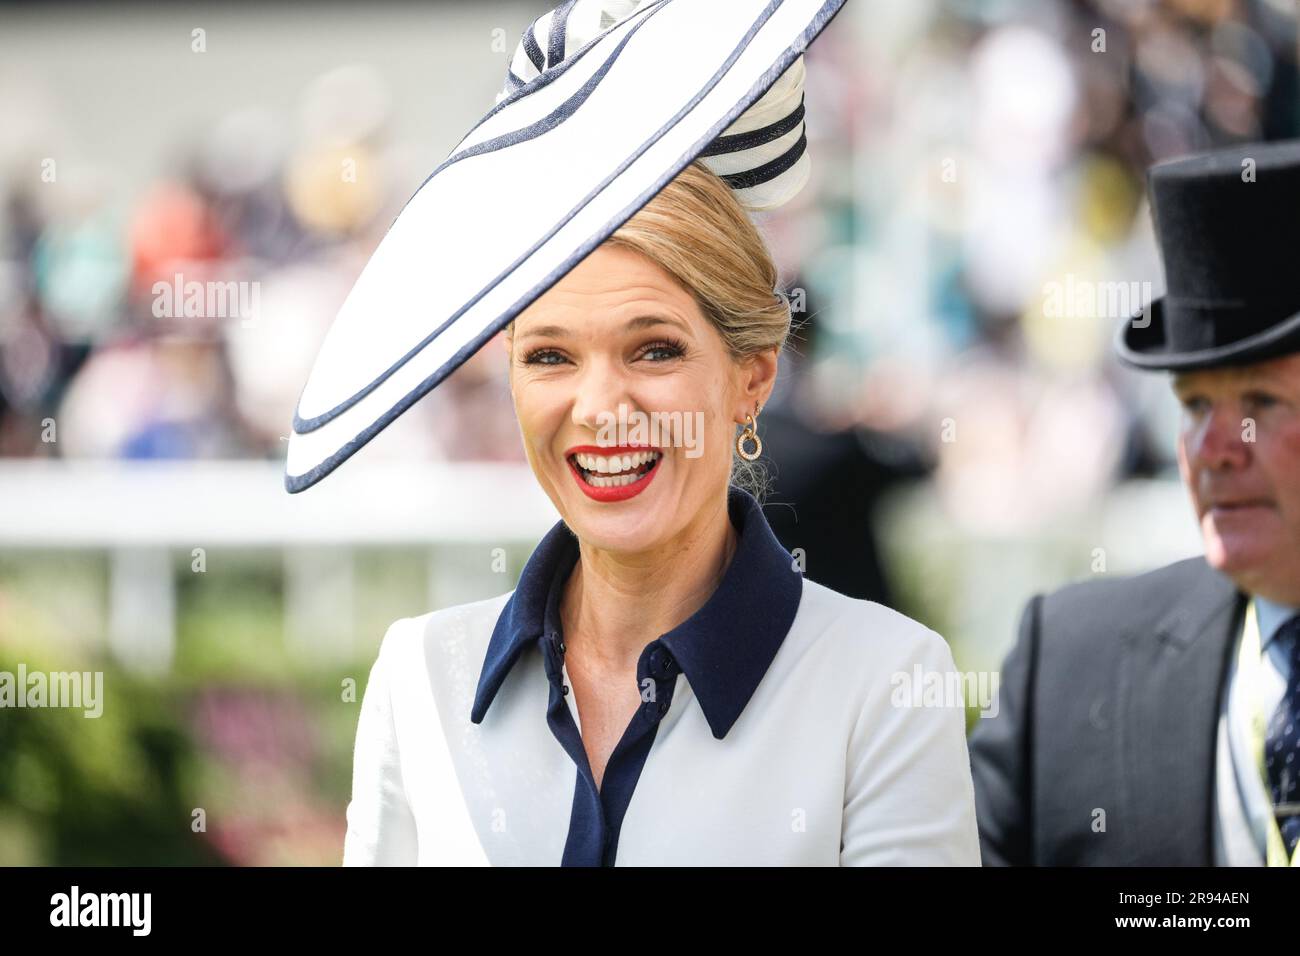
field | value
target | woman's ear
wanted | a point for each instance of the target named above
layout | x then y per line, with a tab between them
757	379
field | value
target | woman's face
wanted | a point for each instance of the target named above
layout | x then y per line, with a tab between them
619	331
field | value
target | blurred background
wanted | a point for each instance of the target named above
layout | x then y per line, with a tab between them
949	433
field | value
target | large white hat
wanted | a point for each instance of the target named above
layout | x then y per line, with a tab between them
605	102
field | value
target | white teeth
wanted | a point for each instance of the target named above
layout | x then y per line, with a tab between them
600	470
616	463
612	481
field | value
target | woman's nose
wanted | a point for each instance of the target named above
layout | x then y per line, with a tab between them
598	391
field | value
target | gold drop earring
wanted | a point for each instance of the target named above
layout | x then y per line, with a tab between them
749	435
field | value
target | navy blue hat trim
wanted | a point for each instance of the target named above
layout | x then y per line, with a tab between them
757	137
559	25
769	170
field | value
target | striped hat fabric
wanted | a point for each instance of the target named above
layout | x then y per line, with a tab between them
605	102
763	156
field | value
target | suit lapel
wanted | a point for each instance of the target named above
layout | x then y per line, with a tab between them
1170	682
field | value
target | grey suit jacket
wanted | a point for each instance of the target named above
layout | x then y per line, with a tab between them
1104	746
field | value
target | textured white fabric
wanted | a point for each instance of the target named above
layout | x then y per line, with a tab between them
821	768
589	18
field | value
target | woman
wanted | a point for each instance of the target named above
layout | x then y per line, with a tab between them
663	686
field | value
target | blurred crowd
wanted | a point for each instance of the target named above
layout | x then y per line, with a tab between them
989	205
181	322
968	155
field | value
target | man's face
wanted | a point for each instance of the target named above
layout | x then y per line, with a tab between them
1239	455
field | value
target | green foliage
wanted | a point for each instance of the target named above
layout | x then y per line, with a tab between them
107	790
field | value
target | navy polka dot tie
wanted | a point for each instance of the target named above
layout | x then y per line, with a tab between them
1282	741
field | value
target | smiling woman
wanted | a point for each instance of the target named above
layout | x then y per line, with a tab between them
662	686
694	258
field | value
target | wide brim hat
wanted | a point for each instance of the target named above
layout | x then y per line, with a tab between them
1228	226
605	102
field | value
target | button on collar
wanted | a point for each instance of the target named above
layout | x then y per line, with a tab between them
661	664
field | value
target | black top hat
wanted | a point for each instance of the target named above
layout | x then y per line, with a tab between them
1228	225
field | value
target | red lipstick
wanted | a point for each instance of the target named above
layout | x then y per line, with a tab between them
612	493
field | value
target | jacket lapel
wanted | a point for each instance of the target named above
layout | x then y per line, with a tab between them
1171	679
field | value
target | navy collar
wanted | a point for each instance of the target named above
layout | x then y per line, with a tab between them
724	648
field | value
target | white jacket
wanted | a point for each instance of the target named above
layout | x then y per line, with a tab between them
773	733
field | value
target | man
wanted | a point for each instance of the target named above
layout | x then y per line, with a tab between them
1153	721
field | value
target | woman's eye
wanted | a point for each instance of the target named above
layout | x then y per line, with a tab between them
656	352
668	349
540	356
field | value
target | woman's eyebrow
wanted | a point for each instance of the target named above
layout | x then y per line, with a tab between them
649	321
632	325
546	331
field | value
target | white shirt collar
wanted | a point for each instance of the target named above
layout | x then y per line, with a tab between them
1271	618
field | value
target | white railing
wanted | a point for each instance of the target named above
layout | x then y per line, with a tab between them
141	513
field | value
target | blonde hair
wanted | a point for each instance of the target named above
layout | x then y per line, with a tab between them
697	231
